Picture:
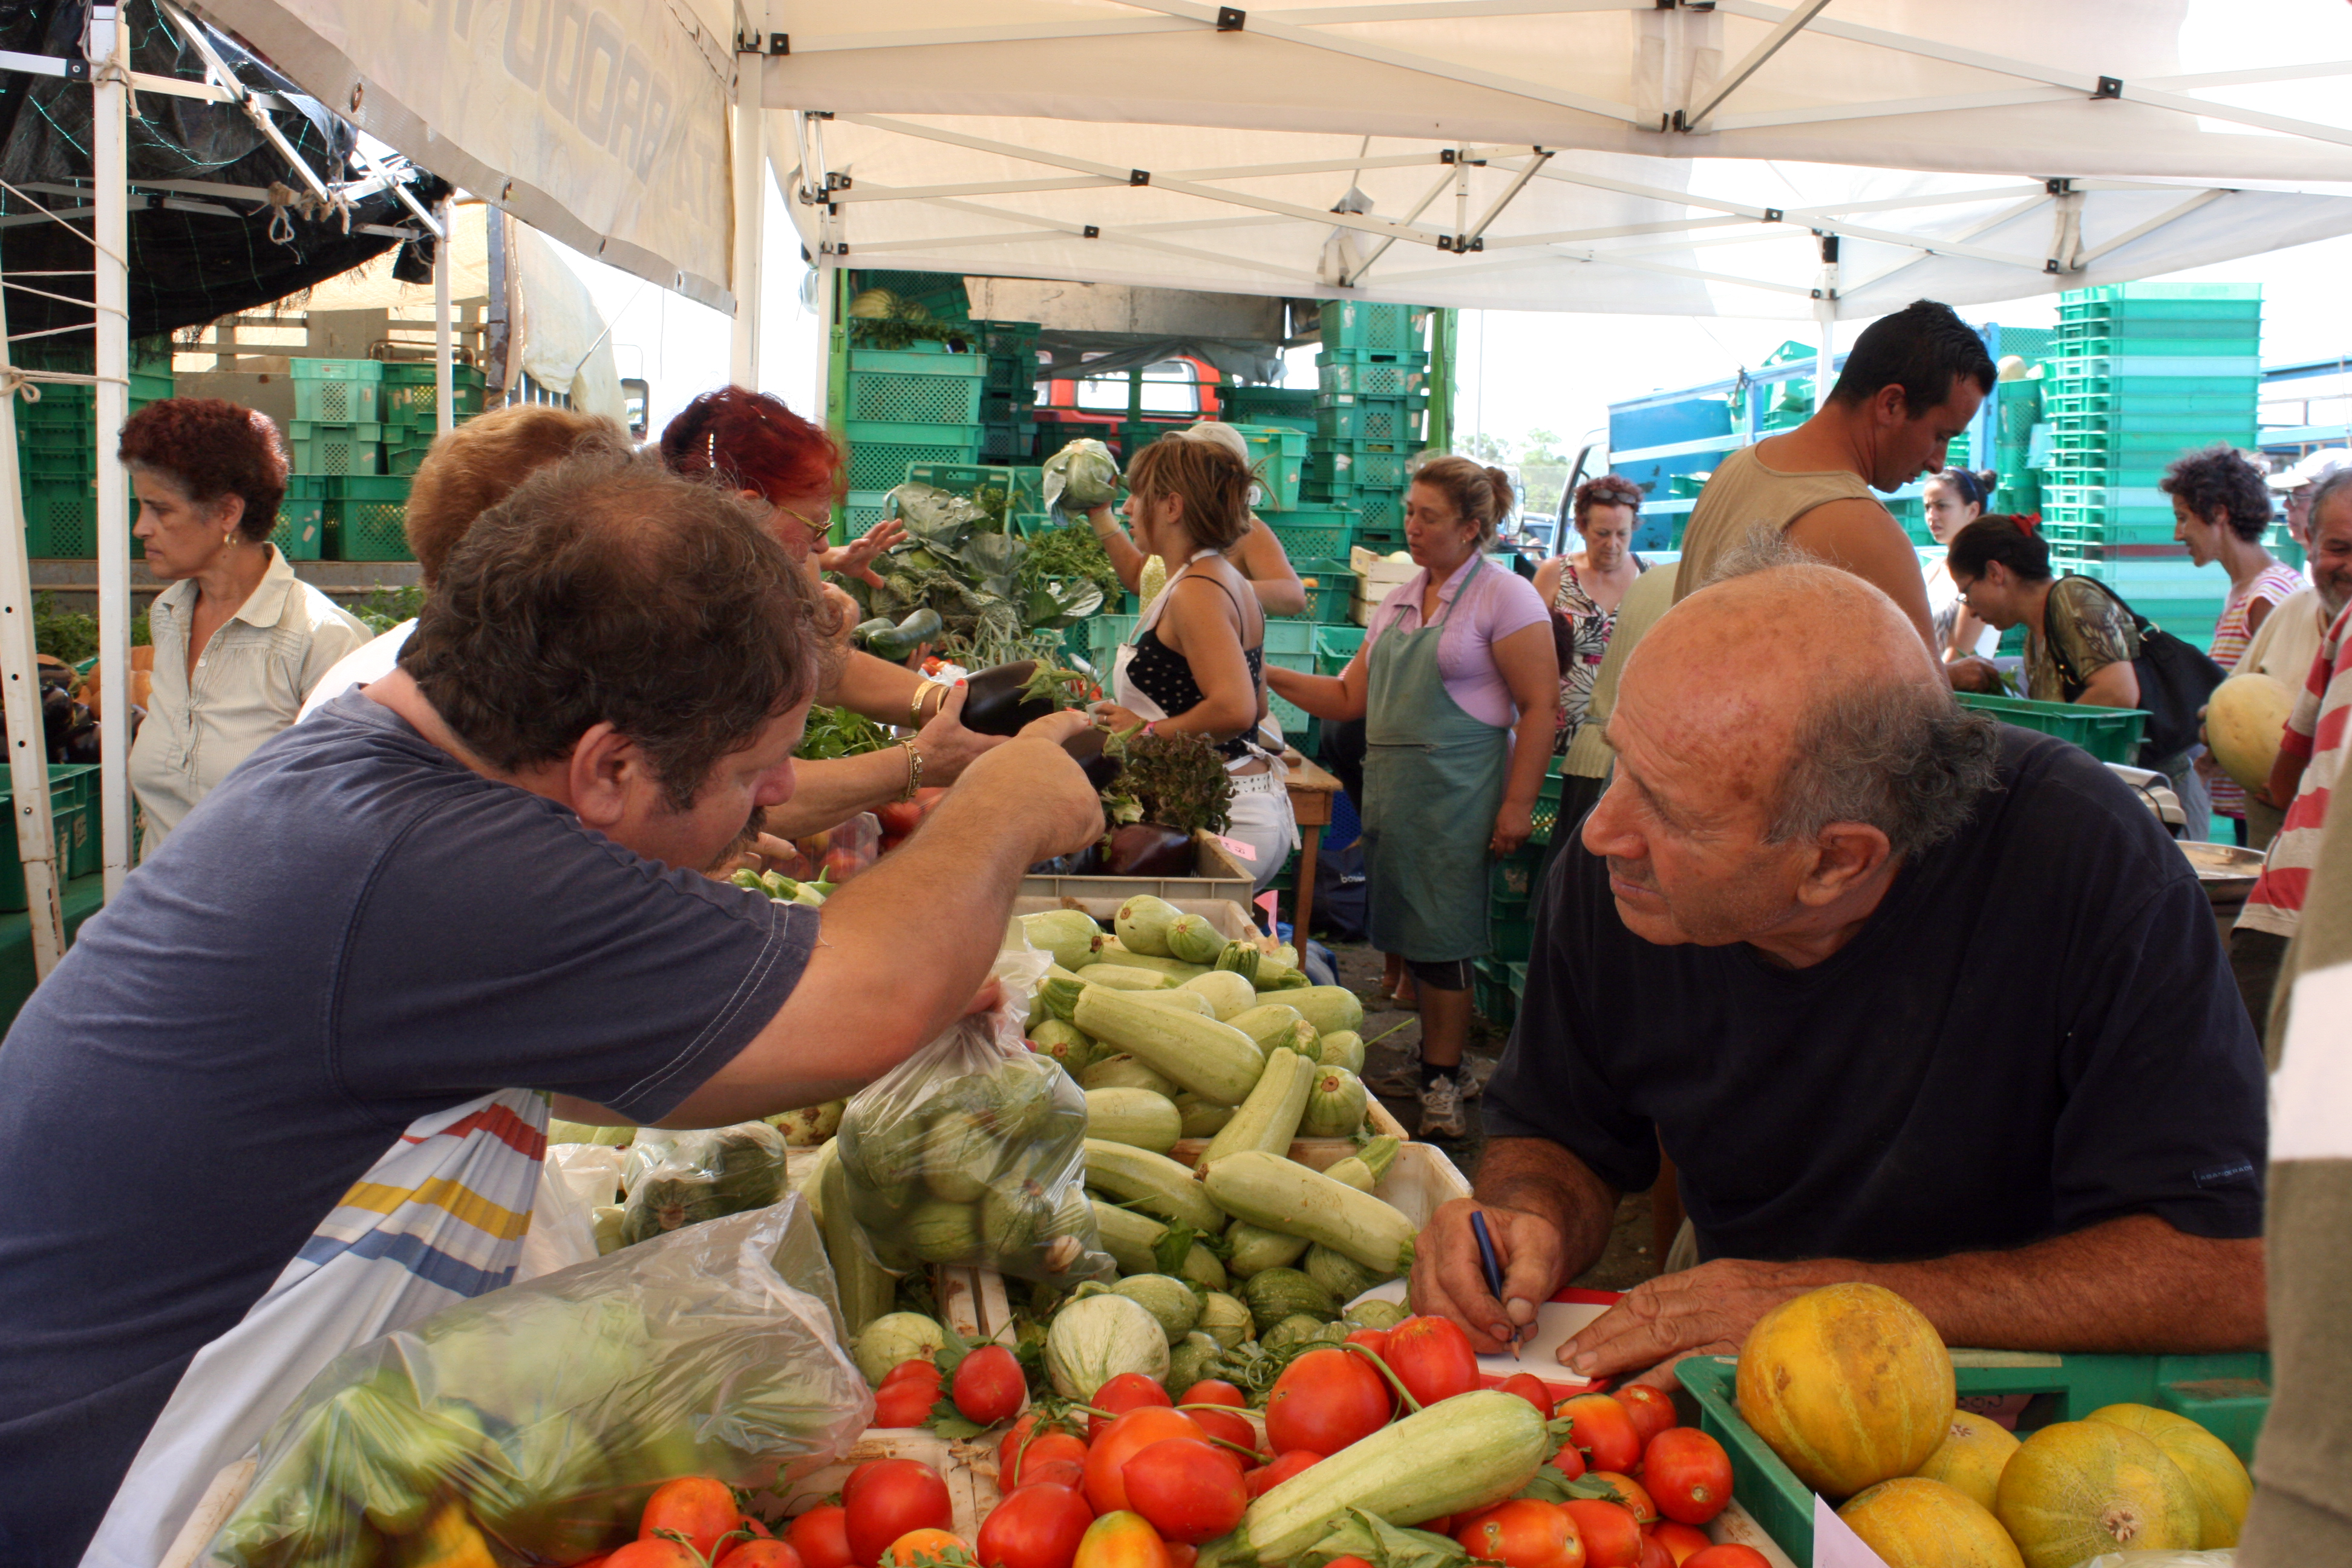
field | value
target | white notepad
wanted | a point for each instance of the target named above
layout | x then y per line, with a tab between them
1555	1322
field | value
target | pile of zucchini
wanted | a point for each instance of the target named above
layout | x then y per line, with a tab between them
1244	1244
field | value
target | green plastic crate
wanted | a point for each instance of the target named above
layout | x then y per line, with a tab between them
1278	457
367	517
60	518
1351	325
2226	1394
338	391
346	446
924	385
882	465
2110	735
1314	532
1405	376
301	530
410	396
1393	422
1331	588
1335	647
1336	465
1491	993
2142	296
67	823
1024	486
1282	405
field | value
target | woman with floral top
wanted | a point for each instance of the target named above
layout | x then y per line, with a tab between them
1585	589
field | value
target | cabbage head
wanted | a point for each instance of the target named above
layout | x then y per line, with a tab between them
1081	476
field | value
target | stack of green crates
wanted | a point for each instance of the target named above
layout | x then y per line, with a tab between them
411	415
1373	389
57	444
1268	406
2140	374
1008	402
915	405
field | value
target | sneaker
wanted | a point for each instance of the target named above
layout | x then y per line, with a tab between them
1441	1108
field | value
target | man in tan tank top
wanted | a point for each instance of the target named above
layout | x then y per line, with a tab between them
1912	384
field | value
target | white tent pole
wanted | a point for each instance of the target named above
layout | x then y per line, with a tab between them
1788	27
111	284
445	389
751	170
20	701
825	325
1825	317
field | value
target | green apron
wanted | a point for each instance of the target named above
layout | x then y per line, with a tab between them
1433	779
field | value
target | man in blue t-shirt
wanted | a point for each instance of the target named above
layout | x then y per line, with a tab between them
477	873
1908	998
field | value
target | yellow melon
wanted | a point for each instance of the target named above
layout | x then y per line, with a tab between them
2244	719
1975	1451
1912	1522
1850	1385
2079	1488
2222	1487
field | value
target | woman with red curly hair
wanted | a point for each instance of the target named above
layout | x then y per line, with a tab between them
756	447
239	639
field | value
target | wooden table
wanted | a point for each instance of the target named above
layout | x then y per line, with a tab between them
1311	790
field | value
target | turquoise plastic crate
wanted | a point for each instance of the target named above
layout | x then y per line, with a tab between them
2226	1394
924	385
1294	720
1335	465
410	396
1356	324
1405	376
338	391
2110	735
1491	993
367	517
1314	532
1335	647
341	447
1277	456
301	530
1331	588
883	465
2145	295
1293	410
1393	422
1025	486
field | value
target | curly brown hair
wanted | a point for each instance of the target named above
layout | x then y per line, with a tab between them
1608	489
480	463
607	589
2219	478
1213	482
210	449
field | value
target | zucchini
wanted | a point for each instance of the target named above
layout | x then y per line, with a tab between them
1125	977
1176	969
1282	1194
1070	935
1489	1450
867	1290
1120	1071
1363	1169
1129	1237
1241	958
1202	1055
1135	1116
1202	1116
1153	1183
1273	1294
1343	1276
1343	1048
1194	940
1230	995
1330	1008
1183	1000
1064	1043
1271	1023
1251	1248
1268	1119
1335	1102
1142	924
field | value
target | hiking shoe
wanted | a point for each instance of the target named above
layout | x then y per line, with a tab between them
1441	1108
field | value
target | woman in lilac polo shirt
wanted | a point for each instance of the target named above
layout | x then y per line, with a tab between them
1457	685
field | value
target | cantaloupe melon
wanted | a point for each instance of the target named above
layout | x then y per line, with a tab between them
1975	1451
2079	1488
1850	1385
2222	1487
1912	1522
2244	718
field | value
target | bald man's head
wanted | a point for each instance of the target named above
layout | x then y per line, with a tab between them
1776	723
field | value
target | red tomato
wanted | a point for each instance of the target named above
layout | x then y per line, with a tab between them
989	1386
659	1552
1433	1358
1689	1474
1127	1390
1046	1454
918	1548
1652	1409
1522	1533
1613	1537
1530	1387
1325	1400
1036	1527
1265	1478
1570	1460
1189	1490
919	1367
1377	1342
1654	1554
887	1499
758	1527
1679	1540
1214	1391
1181	1554
899	817
700	1508
1604	1431
759	1554
821	1537
1350	1561
1629	1491
907	1402
1121	1539
1727	1555
1012	1440
1124	1438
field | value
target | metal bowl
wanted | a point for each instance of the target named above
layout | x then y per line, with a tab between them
2226	871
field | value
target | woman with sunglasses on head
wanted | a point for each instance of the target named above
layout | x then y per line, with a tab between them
753	445
1953	500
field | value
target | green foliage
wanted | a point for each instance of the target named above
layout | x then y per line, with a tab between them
1070	553
838	733
387	608
72	635
1174	779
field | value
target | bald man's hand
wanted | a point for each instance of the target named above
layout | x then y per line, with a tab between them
1706	1310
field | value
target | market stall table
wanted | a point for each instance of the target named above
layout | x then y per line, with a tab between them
1311	790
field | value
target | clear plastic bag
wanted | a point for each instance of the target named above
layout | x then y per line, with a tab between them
973	1151
530	1425
703	1176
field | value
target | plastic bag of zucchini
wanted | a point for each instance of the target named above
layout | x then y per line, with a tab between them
696	1176
973	1151
529	1425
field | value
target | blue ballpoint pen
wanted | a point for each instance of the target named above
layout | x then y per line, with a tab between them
1493	1267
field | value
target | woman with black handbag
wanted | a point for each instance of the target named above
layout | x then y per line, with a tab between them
2085	645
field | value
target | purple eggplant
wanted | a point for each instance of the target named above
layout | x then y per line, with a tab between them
1085	748
1148	849
993	699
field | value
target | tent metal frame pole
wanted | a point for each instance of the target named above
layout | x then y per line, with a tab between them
110	282
749	147
2203	198
1732	80
1134	236
444	387
1419	207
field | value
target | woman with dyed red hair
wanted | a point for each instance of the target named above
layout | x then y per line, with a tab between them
754	444
239	639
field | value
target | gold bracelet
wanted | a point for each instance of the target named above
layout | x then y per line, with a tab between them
914	709
914	771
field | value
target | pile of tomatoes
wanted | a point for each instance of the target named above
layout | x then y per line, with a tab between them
1134	1479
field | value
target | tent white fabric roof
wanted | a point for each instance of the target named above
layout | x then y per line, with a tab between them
1567	154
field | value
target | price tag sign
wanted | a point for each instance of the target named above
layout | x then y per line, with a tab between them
1239	850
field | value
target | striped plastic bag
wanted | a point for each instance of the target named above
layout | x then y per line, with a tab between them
439	1219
